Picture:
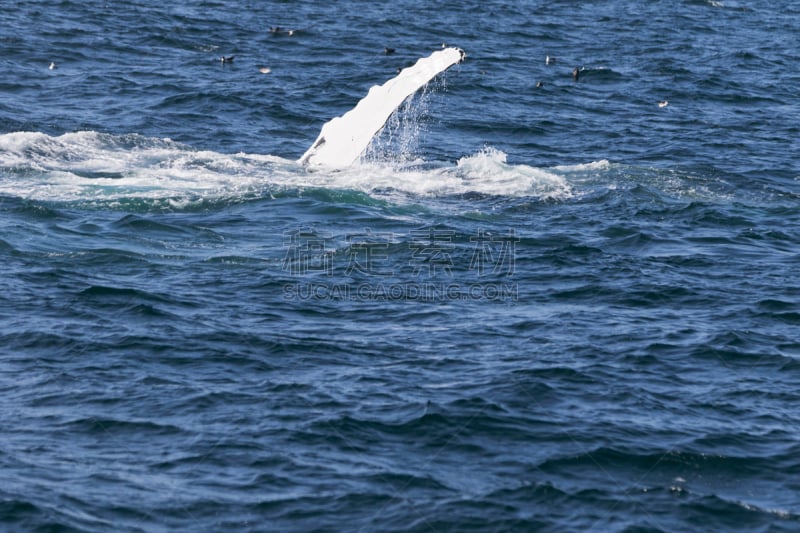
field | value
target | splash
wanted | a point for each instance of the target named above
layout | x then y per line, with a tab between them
89	165
92	166
489	171
112	171
399	139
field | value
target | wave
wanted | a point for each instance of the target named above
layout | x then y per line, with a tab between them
90	166
136	172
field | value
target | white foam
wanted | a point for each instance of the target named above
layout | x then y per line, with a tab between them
91	166
489	172
96	166
603	164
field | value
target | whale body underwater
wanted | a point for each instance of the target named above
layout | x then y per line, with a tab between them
343	139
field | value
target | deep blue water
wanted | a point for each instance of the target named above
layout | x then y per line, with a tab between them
555	308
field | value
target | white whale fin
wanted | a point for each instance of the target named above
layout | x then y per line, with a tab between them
343	139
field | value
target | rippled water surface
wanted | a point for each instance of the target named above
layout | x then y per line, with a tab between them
537	303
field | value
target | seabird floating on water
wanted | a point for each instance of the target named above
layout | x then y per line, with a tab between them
663	103
264	70
52	65
224	59
549	60
388	51
576	73
277	30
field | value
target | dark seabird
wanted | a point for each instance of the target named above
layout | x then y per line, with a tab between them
549	60
388	51
576	73
224	59
539	84
277	30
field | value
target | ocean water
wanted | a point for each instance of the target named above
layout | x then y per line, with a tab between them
554	308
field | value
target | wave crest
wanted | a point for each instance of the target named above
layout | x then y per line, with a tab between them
488	171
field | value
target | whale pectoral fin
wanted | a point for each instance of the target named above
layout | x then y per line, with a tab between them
317	144
343	139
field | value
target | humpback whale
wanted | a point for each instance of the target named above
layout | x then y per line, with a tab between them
343	139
